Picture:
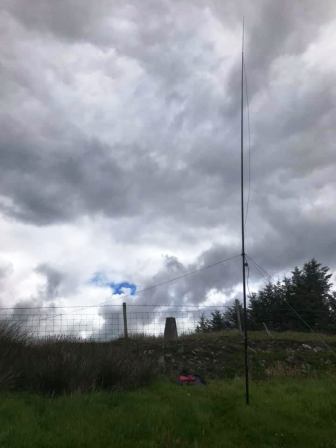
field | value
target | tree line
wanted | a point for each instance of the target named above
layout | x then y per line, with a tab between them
303	301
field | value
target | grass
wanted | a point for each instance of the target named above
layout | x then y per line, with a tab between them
70	393
65	366
60	365
303	336
294	336
283	413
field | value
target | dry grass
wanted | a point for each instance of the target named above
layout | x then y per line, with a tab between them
56	366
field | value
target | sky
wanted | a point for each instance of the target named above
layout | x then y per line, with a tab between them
120	146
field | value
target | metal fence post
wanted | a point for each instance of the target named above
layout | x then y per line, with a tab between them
238	317
125	320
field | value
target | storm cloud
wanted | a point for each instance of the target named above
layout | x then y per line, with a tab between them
119	147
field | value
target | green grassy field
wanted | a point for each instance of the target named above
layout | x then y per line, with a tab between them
283	413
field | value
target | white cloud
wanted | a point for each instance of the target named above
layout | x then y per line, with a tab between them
120	142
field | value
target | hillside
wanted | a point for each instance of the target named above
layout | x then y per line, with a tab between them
58	366
220	355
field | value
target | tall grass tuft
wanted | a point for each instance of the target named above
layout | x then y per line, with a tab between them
60	365
13	342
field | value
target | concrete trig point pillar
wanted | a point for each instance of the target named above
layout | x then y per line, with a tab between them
170	331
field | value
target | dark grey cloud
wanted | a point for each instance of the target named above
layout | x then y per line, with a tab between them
275	29
193	289
67	19
45	187
54	279
53	285
37	314
160	146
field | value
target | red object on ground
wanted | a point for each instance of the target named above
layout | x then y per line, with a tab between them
187	379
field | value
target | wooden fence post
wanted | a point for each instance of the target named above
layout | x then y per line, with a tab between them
125	320
266	329
238	317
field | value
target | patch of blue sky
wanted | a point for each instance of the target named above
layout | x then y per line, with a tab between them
118	288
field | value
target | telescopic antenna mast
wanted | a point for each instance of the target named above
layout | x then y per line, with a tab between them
243	254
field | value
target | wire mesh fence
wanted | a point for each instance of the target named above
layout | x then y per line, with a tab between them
108	322
103	323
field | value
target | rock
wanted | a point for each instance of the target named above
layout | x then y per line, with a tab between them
306	346
317	349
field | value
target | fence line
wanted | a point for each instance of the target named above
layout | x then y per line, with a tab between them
113	321
104	322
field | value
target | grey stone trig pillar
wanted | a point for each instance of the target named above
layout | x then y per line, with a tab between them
170	331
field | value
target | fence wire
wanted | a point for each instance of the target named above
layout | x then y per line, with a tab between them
104	323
